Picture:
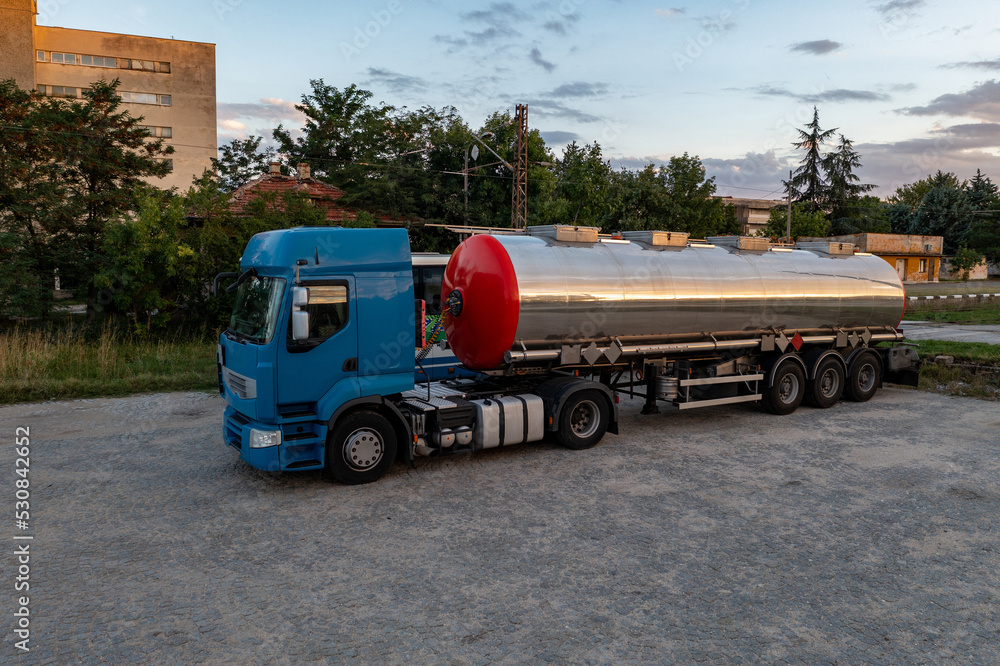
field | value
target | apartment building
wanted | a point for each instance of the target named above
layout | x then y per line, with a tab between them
169	83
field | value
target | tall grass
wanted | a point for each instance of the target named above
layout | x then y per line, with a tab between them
41	364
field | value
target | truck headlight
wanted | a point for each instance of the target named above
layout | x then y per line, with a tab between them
262	439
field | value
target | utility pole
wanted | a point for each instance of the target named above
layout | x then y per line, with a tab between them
519	195
788	223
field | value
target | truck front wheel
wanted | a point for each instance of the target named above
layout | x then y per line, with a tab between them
787	390
361	449
584	420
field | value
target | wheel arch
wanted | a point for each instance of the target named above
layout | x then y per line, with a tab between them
556	392
378	404
772	364
814	358
861	351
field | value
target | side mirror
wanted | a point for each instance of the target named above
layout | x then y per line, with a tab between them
300	316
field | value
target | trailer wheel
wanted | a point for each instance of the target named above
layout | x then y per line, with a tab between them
827	386
584	420
787	390
361	449
863	378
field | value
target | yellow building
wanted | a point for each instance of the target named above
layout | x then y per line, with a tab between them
915	258
169	83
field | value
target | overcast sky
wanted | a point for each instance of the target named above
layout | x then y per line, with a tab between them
914	83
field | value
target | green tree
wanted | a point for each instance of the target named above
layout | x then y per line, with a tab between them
808	184
242	160
108	154
913	194
965	260
944	211
583	183
33	222
845	187
148	268
805	222
691	204
867	214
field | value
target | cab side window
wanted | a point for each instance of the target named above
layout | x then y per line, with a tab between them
327	310
328	314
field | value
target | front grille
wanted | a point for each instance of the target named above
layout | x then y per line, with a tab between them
244	387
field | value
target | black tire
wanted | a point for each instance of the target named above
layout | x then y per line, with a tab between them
584	420
863	378
361	448
826	387
787	390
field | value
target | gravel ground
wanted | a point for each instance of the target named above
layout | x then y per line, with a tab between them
856	535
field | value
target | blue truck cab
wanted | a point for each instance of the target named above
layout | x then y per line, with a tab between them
323	323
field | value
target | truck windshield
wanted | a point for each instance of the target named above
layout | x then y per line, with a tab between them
258	303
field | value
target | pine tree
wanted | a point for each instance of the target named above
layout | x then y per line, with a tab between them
808	184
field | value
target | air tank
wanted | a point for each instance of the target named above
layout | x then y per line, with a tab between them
529	292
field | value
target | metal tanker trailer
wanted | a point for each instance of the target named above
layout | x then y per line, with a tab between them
317	370
543	296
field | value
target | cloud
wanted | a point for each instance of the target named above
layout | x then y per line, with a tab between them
833	96
269	108
552	109
897	8
396	82
536	57
753	176
495	23
560	24
232	125
981	102
579	89
717	24
673	12
974	64
818	47
557	137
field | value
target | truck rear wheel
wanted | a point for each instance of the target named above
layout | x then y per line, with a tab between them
827	386
863	378
361	449
787	390
584	420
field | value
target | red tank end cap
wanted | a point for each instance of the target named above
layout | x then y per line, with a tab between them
484	330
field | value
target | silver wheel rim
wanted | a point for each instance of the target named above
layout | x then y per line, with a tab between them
866	377
788	388
585	419
829	383
363	449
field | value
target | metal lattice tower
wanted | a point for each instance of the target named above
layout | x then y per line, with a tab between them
519	197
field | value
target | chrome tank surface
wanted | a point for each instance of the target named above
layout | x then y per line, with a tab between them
573	292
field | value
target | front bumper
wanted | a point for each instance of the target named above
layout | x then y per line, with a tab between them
302	443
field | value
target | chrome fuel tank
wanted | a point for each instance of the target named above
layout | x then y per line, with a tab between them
536	292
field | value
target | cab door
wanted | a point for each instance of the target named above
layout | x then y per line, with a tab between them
310	368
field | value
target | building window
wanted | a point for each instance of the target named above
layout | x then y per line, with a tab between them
59	91
161	132
98	61
923	265
144	98
169	163
64	58
41	56
163	67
